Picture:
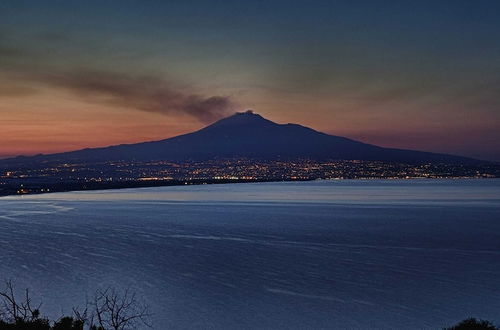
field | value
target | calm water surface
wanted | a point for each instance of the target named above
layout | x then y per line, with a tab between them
419	254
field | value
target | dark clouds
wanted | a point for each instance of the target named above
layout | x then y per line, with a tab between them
7	51
145	93
24	71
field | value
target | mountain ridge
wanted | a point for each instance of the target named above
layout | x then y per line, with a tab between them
247	134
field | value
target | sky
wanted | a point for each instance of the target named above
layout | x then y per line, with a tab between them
421	75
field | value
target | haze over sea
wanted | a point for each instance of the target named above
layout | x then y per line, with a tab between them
397	254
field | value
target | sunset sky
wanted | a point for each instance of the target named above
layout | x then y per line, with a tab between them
410	74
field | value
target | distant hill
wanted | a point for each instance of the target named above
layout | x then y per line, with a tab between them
246	134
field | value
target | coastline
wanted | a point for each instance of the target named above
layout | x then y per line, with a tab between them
91	186
94	186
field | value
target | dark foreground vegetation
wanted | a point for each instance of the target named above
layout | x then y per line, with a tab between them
108	310
473	324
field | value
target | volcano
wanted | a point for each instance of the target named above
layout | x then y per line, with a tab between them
249	135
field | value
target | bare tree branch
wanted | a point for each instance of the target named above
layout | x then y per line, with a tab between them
109	310
120	311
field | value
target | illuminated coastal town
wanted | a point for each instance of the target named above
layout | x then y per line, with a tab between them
51	177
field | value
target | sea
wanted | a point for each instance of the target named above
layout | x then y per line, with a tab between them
337	254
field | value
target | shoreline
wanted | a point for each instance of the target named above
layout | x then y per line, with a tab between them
95	186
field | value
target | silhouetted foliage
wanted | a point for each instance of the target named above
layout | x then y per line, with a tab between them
68	323
473	324
19	313
110	310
